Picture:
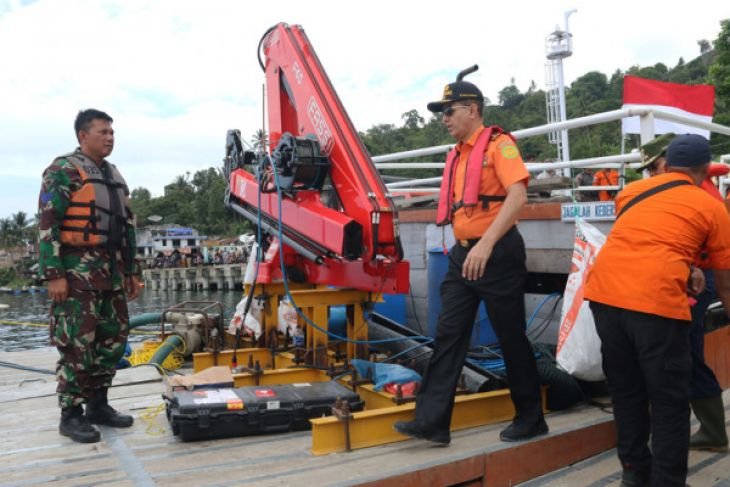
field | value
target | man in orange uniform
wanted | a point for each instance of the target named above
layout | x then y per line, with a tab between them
606	177
638	294
705	393
483	189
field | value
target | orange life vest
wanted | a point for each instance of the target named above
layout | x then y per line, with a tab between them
96	214
474	166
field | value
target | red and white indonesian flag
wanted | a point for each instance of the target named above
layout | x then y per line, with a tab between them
696	101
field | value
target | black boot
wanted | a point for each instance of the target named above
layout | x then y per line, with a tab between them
98	411
76	426
521	431
712	434
418	429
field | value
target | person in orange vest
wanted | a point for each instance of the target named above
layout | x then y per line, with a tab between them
483	189
637	289
705	392
606	177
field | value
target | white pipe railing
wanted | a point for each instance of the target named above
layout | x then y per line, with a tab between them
409	165
615	161
413	190
724	181
605	161
571	124
414	182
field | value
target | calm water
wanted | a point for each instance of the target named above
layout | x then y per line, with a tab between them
33	308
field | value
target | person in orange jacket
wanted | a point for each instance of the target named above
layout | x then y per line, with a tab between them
637	289
705	392
483	189
606	177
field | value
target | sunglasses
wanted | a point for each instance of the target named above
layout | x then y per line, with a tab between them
449	111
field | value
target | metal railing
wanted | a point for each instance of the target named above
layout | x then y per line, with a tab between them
646	116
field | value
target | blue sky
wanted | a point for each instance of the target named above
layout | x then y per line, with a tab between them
176	75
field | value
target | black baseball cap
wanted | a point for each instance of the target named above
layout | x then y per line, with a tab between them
456	91
689	150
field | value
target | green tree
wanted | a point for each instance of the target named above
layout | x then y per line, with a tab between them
260	141
8	237
140	204
719	74
15	232
412	120
510	96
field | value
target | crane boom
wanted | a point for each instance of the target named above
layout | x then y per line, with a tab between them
339	224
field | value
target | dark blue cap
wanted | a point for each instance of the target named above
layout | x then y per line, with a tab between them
456	91
688	150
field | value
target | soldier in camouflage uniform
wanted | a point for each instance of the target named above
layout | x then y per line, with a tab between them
87	246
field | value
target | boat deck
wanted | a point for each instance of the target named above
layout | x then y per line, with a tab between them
577	452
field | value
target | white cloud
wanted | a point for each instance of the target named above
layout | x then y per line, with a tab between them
176	75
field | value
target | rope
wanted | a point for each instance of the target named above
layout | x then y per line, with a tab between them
149	417
142	355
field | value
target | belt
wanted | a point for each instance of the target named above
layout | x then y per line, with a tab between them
467	244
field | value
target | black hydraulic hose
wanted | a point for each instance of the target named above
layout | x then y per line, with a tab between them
466	71
261	42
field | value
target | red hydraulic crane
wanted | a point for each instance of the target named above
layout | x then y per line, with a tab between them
339	224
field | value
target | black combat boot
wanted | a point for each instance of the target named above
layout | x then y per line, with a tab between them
98	411
76	426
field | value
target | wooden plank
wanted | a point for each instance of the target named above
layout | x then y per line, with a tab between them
467	472
40	385
508	466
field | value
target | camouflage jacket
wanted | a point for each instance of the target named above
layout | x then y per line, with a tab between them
84	267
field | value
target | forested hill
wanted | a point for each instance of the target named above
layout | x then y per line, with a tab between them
594	92
198	200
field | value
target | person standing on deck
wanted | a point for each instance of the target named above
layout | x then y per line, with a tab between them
585	178
606	177
483	189
705	393
637	290
87	247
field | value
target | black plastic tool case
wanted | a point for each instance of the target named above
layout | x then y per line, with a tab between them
220	413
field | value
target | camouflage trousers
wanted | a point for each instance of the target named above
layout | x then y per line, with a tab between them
90	330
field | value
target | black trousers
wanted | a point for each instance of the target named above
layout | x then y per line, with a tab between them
647	362
502	290
703	383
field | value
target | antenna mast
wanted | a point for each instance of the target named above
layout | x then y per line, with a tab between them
558	45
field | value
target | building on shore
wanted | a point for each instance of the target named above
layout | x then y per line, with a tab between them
167	238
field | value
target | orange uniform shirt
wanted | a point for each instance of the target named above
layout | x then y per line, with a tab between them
502	167
605	177
644	264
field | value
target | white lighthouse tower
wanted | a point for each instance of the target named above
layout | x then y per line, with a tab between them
558	46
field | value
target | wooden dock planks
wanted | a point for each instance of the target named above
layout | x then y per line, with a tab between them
33	453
